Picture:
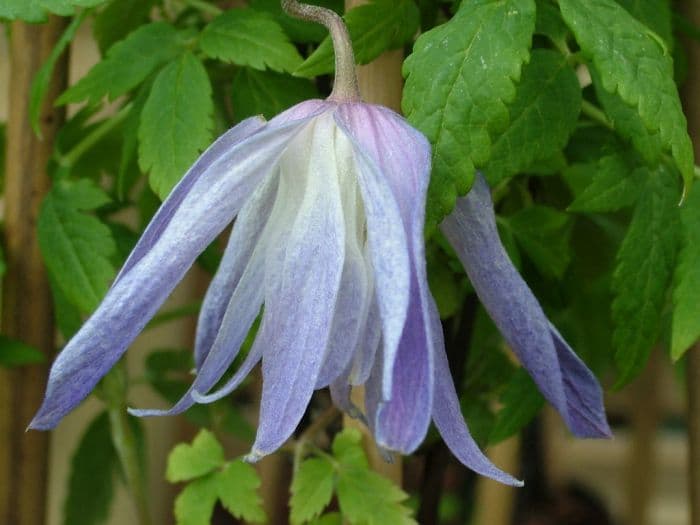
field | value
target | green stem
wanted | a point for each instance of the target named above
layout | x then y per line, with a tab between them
205	7
71	157
114	388
595	113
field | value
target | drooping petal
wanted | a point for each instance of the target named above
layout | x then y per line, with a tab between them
402	156
210	203
243	240
303	307
366	349
471	229
389	150
448	418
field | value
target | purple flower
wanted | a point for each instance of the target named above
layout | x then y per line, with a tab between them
329	201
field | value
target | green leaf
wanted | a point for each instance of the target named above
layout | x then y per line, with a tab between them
91	482
685	327
203	456
195	504
127	64
266	93
118	19
347	448
238	485
521	402
16	353
312	490
655	14
374	27
176	122
42	79
549	22
37	10
634	63
542	116
332	518
128	172
76	247
544	234
460	78
247	37
616	184
644	265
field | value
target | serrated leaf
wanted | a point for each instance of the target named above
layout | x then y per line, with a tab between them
460	78
247	37
685	327
91	482
616	184
37	10
267	93
542	116
655	14
118	19
195	504
367	498
332	518
347	448
544	234
187	462
634	63
16	353
127	63
175	123
238	485
42	79
312	490
549	22
374	27
643	269
76	247
521	402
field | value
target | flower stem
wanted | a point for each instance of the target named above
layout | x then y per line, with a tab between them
71	157
113	389
204	7
596	114
345	87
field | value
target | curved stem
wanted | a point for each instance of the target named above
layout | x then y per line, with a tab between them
345	88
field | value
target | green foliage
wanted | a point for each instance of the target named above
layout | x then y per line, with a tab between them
175	123
544	234
617	181
634	63
298	30
542	116
644	267
374	27
655	14
37	10
76	246
247	37
16	353
549	23
211	478
40	83
521	402
91	483
460	79
312	490
119	18
266	93
127	64
685	328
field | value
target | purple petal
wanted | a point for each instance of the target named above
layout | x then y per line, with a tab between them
303	302
210	203
367	346
448	418
246	233
390	152
471	229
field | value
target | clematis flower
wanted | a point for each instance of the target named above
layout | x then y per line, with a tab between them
328	200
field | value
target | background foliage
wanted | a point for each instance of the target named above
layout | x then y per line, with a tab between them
570	108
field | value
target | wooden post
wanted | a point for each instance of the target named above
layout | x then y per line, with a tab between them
26	301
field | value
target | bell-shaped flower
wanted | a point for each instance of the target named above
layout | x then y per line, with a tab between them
561	376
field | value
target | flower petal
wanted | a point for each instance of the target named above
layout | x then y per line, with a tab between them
210	203
471	229
448	418
245	235
367	346
302	308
